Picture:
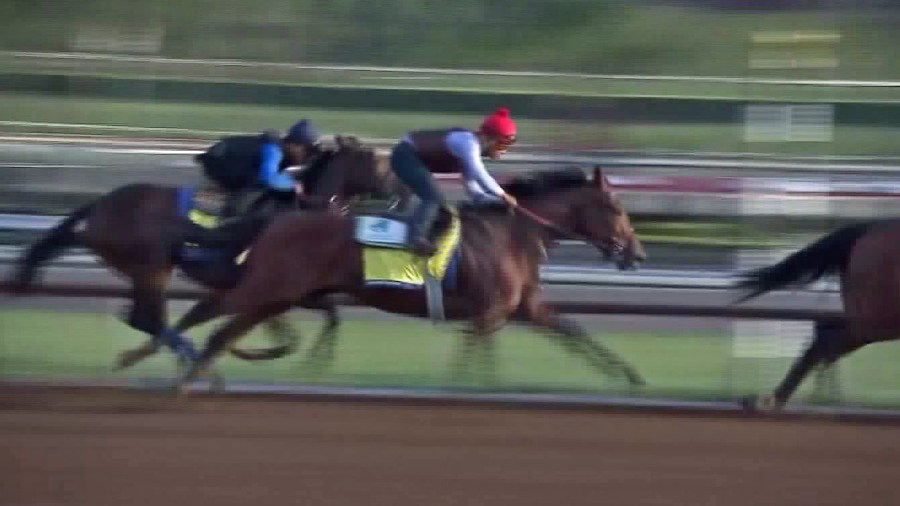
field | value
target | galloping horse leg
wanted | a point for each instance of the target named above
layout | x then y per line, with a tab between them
828	339
487	366
578	342
285	337
481	338
827	383
321	354
208	308
227	334
129	358
463	359
288	340
148	314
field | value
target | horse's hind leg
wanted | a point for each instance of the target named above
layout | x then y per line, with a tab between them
130	357
828	341
147	314
286	339
208	309
227	334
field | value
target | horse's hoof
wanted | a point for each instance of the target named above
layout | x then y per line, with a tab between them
768	403
749	403
216	384
760	404
127	359
634	378
188	374
183	389
120	363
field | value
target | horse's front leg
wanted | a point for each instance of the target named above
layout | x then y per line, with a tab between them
571	336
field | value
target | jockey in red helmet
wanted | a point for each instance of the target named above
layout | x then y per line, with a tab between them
452	150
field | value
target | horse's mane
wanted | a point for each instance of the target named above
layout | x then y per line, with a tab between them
536	184
313	174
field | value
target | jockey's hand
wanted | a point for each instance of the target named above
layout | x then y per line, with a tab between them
510	200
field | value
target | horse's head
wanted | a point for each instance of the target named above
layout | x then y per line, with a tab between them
599	215
356	172
586	207
343	173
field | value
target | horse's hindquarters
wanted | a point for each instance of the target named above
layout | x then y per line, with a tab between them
298	255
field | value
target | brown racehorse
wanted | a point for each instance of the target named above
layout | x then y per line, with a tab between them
498	270
137	230
866	256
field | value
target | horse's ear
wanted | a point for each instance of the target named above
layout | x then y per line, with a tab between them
600	179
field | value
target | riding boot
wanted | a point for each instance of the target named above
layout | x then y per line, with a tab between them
420	226
412	171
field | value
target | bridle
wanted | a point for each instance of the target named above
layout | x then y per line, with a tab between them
610	246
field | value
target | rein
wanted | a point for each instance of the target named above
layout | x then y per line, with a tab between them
553	227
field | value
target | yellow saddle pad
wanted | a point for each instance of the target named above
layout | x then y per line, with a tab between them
390	267
203	219
195	205
204	206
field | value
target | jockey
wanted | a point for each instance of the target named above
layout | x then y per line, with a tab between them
453	150
246	165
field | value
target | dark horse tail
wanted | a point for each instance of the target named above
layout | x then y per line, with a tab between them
60	237
828	255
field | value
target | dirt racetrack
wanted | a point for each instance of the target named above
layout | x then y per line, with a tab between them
111	447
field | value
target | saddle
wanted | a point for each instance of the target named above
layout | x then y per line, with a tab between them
387	229
388	264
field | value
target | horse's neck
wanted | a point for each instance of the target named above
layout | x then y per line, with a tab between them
493	227
312	176
555	211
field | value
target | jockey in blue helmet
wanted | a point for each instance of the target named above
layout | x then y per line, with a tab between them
246	166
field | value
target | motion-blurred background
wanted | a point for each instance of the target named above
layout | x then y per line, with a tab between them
734	130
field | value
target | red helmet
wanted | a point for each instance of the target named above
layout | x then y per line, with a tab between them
500	125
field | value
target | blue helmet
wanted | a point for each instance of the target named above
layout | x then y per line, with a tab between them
303	132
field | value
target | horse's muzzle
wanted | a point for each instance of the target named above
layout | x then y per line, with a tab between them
626	255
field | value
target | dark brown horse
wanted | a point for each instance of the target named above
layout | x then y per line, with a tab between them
367	180
498	273
138	231
866	257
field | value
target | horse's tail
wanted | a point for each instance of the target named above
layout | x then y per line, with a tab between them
828	255
60	237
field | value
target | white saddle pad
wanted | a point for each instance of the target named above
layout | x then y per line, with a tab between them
380	231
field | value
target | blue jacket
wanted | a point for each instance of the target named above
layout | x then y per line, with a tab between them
270	161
